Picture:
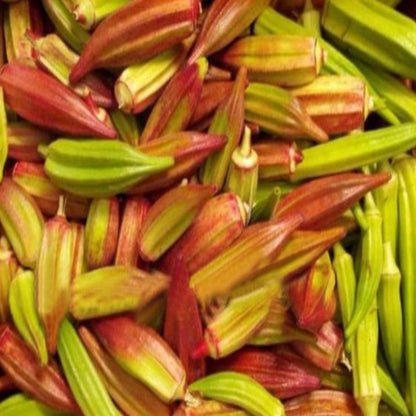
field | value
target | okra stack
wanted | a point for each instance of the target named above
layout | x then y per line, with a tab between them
207	208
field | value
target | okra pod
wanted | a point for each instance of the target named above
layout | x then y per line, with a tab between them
390	313
371	262
343	264
25	316
240	390
271	22
400	99
406	171
367	391
365	28
386	198
390	394
84	380
65	24
356	150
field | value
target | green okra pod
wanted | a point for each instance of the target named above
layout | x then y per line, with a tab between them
390	313
67	27
280	113
25	316
101	232
127	127
233	327
359	216
406	170
20	404
400	99
90	12
240	390
311	19
371	262
228	121
22	222
8	266
366	388
140	84
386	198
99	168
390	394
365	28
356	150
86	385
268	194
346	282
242	175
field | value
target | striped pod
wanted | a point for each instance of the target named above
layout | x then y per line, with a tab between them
129	394
406	171
23	141
43	382
22	299
87	386
371	261
101	232
271	22
367	391
143	28
53	274
239	390
22	222
46	102
143	354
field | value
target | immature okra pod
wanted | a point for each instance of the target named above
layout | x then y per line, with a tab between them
370	265
355	150
272	22
25	316
390	313
240	390
386	198
406	171
367	390
343	264
84	380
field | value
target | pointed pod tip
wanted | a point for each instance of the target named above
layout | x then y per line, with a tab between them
200	351
108	132
3	68
382	177
78	71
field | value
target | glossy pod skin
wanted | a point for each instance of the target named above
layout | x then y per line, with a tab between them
196	208
143	28
46	102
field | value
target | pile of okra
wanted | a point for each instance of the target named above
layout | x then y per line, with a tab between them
207	207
